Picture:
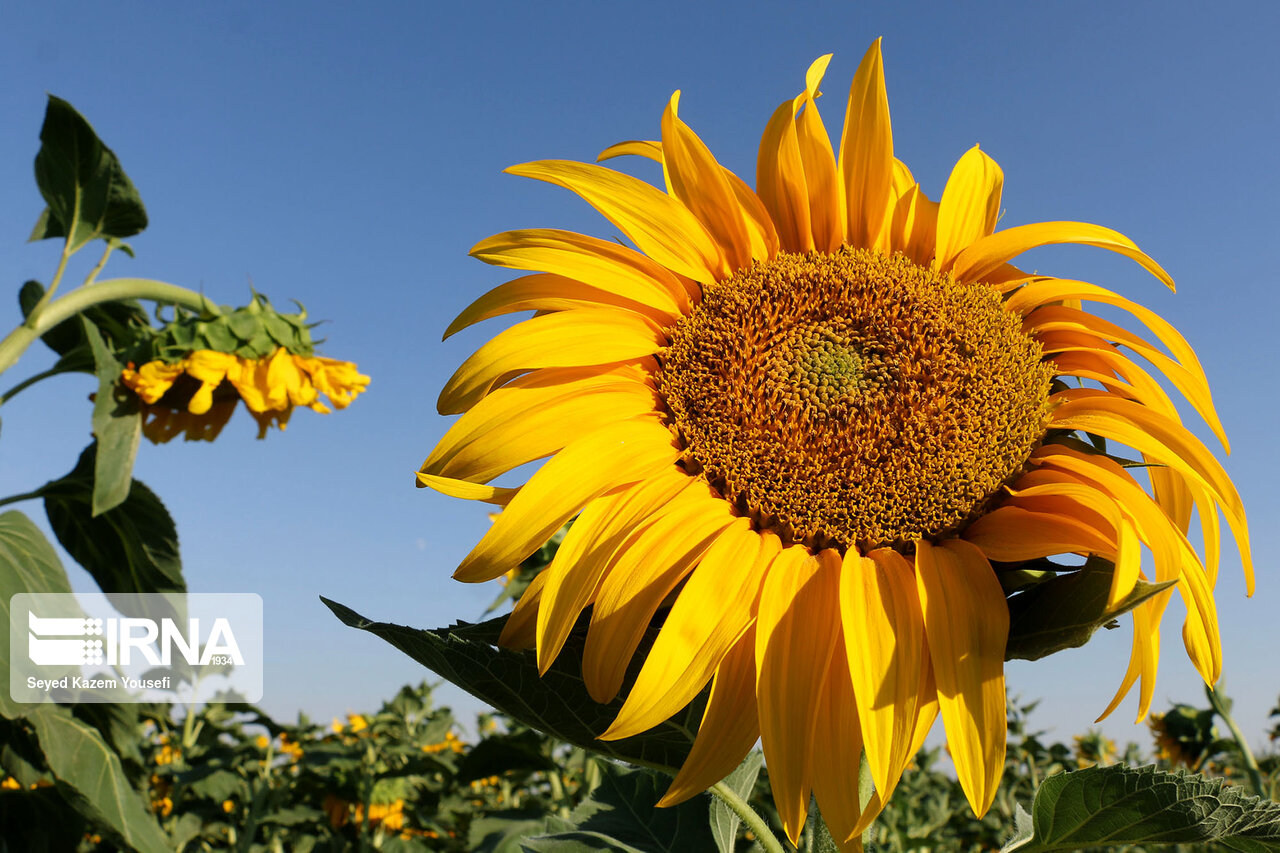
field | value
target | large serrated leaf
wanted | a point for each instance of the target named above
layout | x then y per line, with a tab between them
724	820
556	703
1064	612
88	193
1120	805
622	814
28	563
91	775
132	548
117	428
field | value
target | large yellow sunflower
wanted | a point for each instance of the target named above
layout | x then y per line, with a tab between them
807	419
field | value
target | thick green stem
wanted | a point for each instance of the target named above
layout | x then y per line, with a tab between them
749	816
43	319
1250	763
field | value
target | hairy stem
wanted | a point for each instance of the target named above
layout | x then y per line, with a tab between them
1250	763
749	816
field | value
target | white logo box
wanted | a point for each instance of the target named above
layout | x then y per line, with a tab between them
132	647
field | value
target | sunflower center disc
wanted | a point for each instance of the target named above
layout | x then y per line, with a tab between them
855	398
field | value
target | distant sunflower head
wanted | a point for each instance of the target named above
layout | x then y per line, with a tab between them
815	422
192	372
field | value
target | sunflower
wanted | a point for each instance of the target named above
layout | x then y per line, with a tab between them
813	422
197	394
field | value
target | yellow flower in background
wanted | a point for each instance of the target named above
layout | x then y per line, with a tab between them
816	413
197	395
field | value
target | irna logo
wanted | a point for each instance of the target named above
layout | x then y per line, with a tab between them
62	641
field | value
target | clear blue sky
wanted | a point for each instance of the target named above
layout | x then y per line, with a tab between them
350	156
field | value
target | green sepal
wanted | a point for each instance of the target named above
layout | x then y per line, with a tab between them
1063	613
86	190
255	331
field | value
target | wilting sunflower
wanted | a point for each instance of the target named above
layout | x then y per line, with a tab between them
815	421
196	395
191	372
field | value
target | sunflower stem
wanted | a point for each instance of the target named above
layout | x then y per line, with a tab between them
45	317
749	816
1219	703
28	382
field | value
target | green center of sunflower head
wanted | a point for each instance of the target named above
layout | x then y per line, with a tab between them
855	399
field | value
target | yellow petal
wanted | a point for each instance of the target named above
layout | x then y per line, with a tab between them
1010	534
836	758
985	256
915	226
826	200
698	181
884	641
1187	375
1162	439
575	338
603	264
582	558
642	573
465	490
535	416
780	181
797	629
649	148
729	725
545	292
659	225
709	616
967	623
520	631
614	456
970	205
866	155
760	227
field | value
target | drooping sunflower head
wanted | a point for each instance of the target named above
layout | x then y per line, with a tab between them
816	422
190	374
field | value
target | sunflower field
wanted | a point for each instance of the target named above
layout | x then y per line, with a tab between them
804	465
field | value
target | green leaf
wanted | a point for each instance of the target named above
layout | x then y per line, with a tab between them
28	563
1119	805
724	820
117	426
501	831
91	775
132	548
88	193
622	814
1063	613
557	703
